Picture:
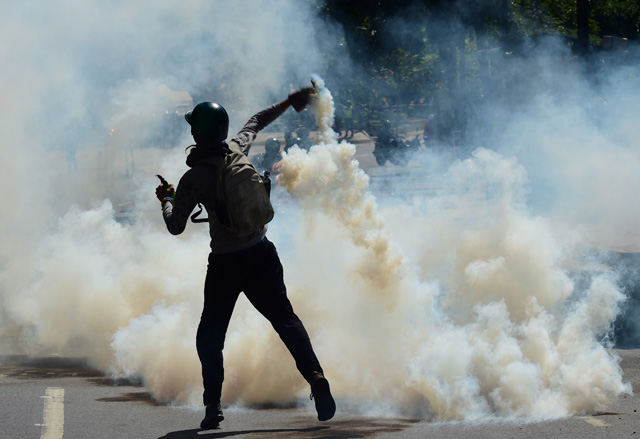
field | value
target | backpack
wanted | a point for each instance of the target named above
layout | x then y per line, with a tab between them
242	198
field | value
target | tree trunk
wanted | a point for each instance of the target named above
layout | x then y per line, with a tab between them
462	54
583	26
505	25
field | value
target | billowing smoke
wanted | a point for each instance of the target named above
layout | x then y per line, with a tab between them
456	304
480	303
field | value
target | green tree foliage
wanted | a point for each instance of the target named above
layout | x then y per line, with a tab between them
449	46
617	17
535	17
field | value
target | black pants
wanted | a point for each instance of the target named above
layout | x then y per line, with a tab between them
258	273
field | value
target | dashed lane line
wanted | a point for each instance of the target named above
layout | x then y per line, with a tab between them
53	418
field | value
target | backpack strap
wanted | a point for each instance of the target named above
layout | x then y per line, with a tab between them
194	217
221	201
267	182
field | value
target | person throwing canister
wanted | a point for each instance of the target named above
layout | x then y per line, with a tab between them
248	264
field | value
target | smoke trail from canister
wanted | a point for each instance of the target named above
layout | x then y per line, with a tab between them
329	178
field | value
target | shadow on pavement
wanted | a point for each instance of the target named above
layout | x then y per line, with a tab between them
339	429
200	434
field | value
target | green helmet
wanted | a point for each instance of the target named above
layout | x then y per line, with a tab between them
209	121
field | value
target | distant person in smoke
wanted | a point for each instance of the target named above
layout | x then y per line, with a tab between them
385	136
249	264
348	120
272	154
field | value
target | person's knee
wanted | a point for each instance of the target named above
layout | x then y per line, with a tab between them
210	338
287	323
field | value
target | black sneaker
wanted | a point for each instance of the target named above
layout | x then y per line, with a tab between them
212	416
325	405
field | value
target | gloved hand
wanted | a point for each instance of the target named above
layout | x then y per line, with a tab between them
300	98
163	192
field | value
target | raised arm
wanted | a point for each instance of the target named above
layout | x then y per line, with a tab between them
298	99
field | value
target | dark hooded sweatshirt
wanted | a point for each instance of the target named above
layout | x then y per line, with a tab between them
198	185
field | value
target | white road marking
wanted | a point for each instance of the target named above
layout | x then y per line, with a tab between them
53	419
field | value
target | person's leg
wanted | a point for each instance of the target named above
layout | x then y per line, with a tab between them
267	293
220	295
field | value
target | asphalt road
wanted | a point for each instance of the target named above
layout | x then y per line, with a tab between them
52	398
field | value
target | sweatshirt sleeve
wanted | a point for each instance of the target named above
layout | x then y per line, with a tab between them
254	125
177	214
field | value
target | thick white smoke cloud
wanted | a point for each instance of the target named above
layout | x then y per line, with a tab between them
456	305
482	309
